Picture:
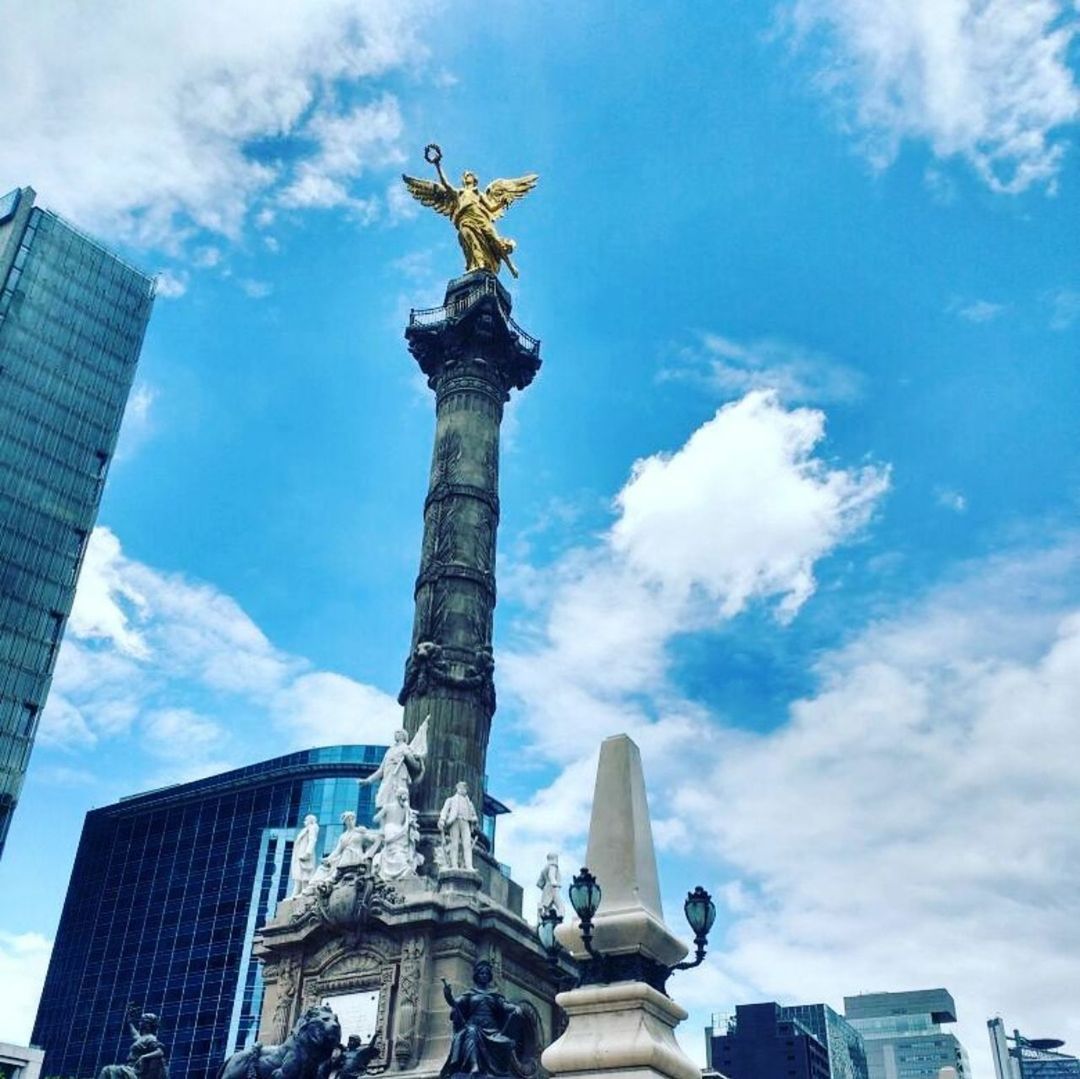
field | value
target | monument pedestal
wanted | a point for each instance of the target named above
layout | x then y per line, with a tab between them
377	954
625	1030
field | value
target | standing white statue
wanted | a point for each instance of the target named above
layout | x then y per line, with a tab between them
302	866
398	857
457	822
402	765
550	885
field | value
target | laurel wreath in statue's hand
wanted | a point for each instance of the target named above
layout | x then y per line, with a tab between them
432	153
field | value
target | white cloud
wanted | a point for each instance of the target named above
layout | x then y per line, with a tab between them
348	144
152	122
138	423
914	823
207	257
179	733
695	524
733	368
1064	308
24	958
171	284
738	515
322	708
976	310
255	290
180	665
950	499
985	80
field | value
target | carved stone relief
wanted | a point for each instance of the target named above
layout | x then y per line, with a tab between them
408	1036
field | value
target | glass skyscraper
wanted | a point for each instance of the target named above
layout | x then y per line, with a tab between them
168	891
72	319
847	1053
903	1033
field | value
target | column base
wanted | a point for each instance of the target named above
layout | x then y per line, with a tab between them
625	1030
460	881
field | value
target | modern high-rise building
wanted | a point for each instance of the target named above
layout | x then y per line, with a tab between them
1029	1058
847	1053
72	319
903	1033
760	1042
168	891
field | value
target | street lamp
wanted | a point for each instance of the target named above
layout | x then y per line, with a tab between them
601	969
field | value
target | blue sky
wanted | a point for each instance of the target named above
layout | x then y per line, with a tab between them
793	499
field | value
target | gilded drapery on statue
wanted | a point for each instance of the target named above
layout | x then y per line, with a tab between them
472	211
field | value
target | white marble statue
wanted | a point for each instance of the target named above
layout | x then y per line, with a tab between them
402	765
302	866
397	856
457	823
356	845
550	885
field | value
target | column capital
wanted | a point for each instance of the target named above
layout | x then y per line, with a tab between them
473	336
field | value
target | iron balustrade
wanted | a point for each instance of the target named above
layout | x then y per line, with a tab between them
434	316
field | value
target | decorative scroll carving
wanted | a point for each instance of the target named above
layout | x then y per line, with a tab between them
349	900
408	1037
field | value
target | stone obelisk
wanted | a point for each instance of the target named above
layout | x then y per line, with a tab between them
473	355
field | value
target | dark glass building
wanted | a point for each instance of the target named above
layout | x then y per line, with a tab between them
72	319
759	1042
847	1053
168	891
903	1033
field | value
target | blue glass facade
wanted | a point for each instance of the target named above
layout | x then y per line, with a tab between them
167	892
72	319
759	1042
847	1054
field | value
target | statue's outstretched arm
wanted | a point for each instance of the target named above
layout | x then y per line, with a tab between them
442	176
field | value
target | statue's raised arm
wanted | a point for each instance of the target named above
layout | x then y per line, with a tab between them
473	212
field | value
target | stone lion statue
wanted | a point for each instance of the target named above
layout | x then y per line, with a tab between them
312	1042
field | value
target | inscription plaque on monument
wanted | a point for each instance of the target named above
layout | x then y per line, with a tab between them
358	1013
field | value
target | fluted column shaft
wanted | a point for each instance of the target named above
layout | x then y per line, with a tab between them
472	357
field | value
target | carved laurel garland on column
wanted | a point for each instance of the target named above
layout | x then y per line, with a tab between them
408	1039
285	985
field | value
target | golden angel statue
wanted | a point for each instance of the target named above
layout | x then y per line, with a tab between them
473	212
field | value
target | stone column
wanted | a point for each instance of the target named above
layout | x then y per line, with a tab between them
473	355
625	1029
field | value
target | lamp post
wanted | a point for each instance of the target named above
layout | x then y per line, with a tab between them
601	969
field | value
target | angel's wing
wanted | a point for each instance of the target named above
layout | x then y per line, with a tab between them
504	192
419	743
431	194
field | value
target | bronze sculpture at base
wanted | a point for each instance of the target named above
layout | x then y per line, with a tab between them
310	1045
486	1029
146	1058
